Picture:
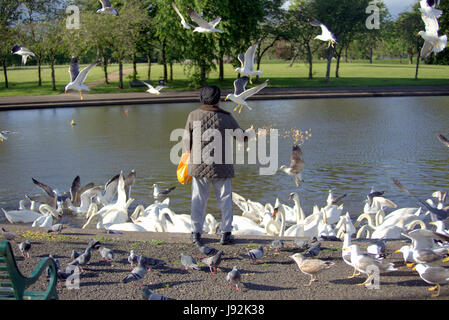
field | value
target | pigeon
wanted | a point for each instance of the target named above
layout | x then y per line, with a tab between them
56	228
301	244
310	266
377	247
137	274
74	254
297	165
107	254
22	51
132	259
255	255
313	251
151	262
234	278
148	295
188	262
24	248
208	251
213	261
83	259
277	245
10	236
157	193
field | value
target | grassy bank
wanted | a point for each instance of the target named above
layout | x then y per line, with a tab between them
23	80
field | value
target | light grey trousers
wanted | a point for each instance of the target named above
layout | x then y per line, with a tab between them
200	195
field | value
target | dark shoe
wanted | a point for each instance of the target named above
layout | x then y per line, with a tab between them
196	238
226	238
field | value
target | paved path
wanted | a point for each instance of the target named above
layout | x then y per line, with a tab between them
172	96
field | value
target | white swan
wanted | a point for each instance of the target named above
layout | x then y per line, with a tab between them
121	203
390	231
210	224
86	199
333	213
174	222
48	214
345	225
22	215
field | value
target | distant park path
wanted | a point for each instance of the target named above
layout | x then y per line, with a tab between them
113	76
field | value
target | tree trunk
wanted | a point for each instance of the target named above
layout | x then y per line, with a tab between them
171	71
134	66
39	71
120	68
5	73
417	64
310	59
337	69
149	66
346	54
164	61
105	68
329	61
371	55
203	74
221	68
410	58
53	79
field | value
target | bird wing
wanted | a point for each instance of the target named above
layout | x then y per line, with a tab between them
105	3
240	84
241	58
249	56
44	187
198	19
250	92
314	22
74	69
76	184
83	74
431	24
177	11
159	88
426	49
311	266
443	140
214	22
296	160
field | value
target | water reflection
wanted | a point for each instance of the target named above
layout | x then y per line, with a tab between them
355	144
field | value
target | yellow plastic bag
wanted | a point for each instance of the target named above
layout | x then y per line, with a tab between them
183	170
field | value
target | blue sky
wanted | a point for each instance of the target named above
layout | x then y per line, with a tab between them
397	6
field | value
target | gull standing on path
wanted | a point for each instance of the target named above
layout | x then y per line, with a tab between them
310	266
325	35
22	51
106	7
77	78
203	25
152	89
433	275
247	63
297	165
240	94
183	21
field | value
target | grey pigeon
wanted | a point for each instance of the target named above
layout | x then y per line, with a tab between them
208	251
137	274
74	254
277	245
301	243
188	262
107	254
213	261
151	262
25	247
62	275
10	236
148	295
234	278
56	228
133	259
255	255
83	259
313	251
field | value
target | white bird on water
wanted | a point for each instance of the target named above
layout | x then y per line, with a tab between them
77	78
22	51
240	94
183	21
106	7
203	25
247	62
325	35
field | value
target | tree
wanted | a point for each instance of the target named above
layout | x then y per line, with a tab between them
53	31
8	15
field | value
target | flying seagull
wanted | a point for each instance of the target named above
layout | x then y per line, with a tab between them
297	165
203	25
443	140
152	89
77	78
432	42
440	214
240	94
427	8
22	51
106	7
183	21
325	35
247	62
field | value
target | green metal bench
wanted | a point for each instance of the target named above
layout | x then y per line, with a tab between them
13	283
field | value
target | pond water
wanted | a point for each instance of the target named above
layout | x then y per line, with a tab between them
356	143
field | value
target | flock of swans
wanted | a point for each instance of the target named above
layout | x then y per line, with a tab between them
108	208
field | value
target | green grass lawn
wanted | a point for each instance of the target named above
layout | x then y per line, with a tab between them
23	80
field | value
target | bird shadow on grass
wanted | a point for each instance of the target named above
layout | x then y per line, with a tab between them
399	274
264	287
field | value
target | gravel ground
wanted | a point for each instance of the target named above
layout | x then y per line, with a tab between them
276	278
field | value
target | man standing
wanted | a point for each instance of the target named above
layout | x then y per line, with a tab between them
208	166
